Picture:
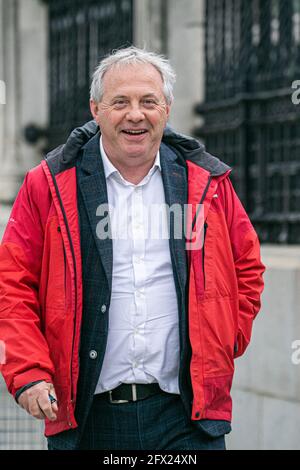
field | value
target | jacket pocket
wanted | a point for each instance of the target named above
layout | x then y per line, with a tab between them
217	333
56	265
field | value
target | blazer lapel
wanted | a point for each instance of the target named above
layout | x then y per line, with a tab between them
92	184
175	186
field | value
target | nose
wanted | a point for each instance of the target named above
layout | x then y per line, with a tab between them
135	114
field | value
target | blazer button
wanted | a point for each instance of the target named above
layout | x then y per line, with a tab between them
103	308
93	354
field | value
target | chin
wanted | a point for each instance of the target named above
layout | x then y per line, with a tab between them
136	151
135	155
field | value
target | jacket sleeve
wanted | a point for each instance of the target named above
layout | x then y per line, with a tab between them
27	357
248	265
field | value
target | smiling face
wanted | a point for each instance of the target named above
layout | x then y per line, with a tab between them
132	114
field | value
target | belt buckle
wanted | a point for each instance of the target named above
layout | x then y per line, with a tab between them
115	401
134	396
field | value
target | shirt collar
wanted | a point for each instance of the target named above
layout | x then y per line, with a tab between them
110	169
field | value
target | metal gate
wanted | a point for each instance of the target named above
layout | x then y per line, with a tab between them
250	121
80	34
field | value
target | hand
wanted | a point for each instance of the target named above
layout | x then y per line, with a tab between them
35	400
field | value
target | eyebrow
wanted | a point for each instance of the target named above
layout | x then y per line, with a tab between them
119	97
149	95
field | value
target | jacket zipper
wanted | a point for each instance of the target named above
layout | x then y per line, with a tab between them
204	236
65	262
74	264
65	269
203	254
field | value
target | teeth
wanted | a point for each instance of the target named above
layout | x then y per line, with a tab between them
135	132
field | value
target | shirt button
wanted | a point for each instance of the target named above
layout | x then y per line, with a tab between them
93	354
103	308
197	414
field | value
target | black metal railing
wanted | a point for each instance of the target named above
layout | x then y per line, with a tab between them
81	33
250	121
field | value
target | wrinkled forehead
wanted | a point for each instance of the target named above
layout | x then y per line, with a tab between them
122	76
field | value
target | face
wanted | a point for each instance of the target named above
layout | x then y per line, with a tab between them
132	113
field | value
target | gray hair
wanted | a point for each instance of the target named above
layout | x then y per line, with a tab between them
132	56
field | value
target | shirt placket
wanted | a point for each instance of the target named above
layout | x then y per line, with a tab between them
139	271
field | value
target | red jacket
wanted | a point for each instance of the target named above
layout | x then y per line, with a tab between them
41	285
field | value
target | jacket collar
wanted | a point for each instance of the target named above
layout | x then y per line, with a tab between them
186	148
174	177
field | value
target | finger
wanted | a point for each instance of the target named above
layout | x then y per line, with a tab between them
34	410
45	405
54	407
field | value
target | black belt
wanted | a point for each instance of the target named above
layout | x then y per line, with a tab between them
131	392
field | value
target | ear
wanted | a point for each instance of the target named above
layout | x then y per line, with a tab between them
167	111
94	107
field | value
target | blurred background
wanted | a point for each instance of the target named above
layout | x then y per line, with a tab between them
236	62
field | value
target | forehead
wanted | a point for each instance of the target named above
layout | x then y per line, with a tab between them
124	79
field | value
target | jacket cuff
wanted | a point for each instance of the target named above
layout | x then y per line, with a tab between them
23	389
32	375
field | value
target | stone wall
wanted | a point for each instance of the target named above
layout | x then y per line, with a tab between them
266	390
23	68
186	53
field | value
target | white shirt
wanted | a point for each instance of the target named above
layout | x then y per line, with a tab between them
143	331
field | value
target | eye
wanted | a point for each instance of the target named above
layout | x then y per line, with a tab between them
120	103
149	103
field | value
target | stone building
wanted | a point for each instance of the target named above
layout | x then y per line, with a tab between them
227	56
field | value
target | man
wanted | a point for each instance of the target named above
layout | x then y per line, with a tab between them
117	338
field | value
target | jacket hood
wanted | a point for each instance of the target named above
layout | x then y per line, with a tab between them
185	147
